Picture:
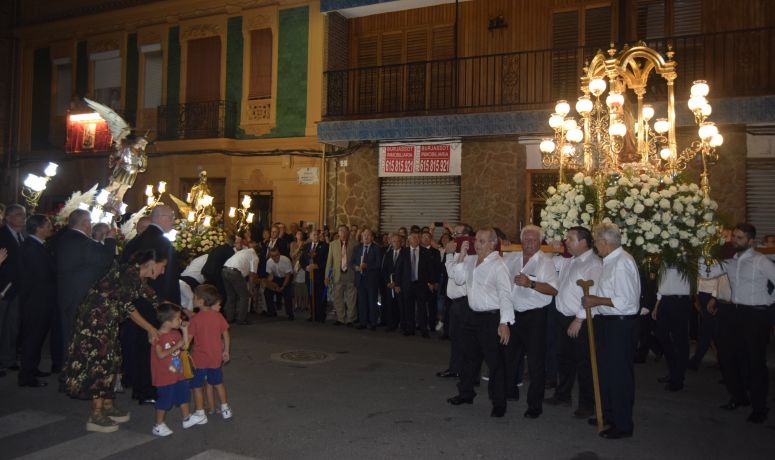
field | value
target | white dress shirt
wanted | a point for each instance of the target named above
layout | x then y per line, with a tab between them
194	269
587	266
488	285
748	276
620	282
279	269
672	283
454	290
540	269
244	260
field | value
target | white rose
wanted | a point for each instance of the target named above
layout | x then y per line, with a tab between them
628	202
667	180
612	204
585	217
648	235
551	190
610	191
631	220
588	180
638	208
664	203
678	207
673	243
578	178
648	202
639	241
579	199
665	234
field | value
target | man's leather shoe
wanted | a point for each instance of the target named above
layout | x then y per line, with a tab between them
734	404
360	327
458	400
446	373
550	385
391	329
674	387
14	367
425	334
665	379
42	374
349	324
615	433
498	411
407	333
35	383
757	416
555	401
373	328
533	413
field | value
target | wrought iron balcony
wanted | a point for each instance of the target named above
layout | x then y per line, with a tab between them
735	63
196	120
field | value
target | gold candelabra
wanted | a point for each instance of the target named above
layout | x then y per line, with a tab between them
153	197
614	134
198	217
242	214
35	185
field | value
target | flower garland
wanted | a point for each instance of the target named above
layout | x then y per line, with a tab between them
661	219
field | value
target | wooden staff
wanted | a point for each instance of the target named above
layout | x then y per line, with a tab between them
312	256
585	285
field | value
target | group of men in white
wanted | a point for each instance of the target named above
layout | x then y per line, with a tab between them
499	311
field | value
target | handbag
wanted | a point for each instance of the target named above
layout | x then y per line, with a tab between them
187	363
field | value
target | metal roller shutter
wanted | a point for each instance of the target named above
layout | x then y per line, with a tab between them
407	201
759	193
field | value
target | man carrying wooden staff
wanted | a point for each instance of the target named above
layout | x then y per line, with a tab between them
617	303
572	334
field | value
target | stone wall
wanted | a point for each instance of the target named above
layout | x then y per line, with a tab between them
353	190
493	184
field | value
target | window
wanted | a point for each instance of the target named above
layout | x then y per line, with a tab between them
260	64
203	70
152	76
107	78
665	18
63	88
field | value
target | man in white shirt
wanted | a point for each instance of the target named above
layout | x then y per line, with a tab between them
280	271
745	331
237	273
191	278
534	284
486	326
618	302
671	313
573	341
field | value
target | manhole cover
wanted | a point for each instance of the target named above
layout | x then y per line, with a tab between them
302	357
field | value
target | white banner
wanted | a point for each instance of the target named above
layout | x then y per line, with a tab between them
420	159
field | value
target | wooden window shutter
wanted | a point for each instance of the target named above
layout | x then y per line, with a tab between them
443	42
367	79
417	45
203	70
565	40
367	51
260	64
392	48
597	29
687	17
651	19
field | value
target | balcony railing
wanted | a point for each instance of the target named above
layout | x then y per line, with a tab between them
735	63
196	120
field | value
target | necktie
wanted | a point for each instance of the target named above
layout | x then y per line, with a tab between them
344	257
414	264
395	256
365	251
313	248
19	238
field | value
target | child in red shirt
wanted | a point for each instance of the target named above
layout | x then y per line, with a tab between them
210	333
167	370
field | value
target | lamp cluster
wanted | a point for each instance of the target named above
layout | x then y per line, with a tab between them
153	198
198	216
34	186
242	214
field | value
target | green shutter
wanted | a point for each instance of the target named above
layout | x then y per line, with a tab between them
132	69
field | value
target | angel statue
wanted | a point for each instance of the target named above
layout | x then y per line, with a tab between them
128	158
197	194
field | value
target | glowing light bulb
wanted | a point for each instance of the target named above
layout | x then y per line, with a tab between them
665	153
584	105
614	100
246	200
696	102
232	212
699	88
661	125
562	107
575	135
51	170
547	146
555	121
569	124
162	187
648	112
102	197
597	86
707	130
716	140
148	190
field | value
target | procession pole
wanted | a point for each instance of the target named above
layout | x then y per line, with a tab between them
585	285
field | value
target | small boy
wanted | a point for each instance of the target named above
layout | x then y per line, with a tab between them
210	334
167	370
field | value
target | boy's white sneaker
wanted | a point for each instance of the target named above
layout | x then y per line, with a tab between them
161	430
226	412
195	419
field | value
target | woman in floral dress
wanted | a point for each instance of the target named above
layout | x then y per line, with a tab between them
94	357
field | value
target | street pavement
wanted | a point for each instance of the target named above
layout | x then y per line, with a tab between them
374	395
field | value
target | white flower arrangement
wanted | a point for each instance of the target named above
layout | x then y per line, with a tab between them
191	243
661	218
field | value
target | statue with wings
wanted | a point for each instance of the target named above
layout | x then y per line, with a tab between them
128	158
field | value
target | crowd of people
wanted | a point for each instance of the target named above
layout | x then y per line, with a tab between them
126	318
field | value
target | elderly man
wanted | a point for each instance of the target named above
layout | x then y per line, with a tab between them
11	239
395	280
341	277
535	283
313	262
487	321
365	262
745	329
618	302
573	341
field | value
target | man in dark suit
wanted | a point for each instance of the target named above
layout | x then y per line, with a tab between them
313	261
215	260
365	262
424	267
37	297
11	238
80	262
396	280
166	287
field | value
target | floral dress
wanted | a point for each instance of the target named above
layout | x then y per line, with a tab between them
94	356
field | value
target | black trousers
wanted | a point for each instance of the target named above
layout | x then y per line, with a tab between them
317	298
708	329
274	300
552	360
647	339
457	316
36	322
673	334
141	374
528	336
415	302
743	335
616	347
573	362
392	303
480	341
